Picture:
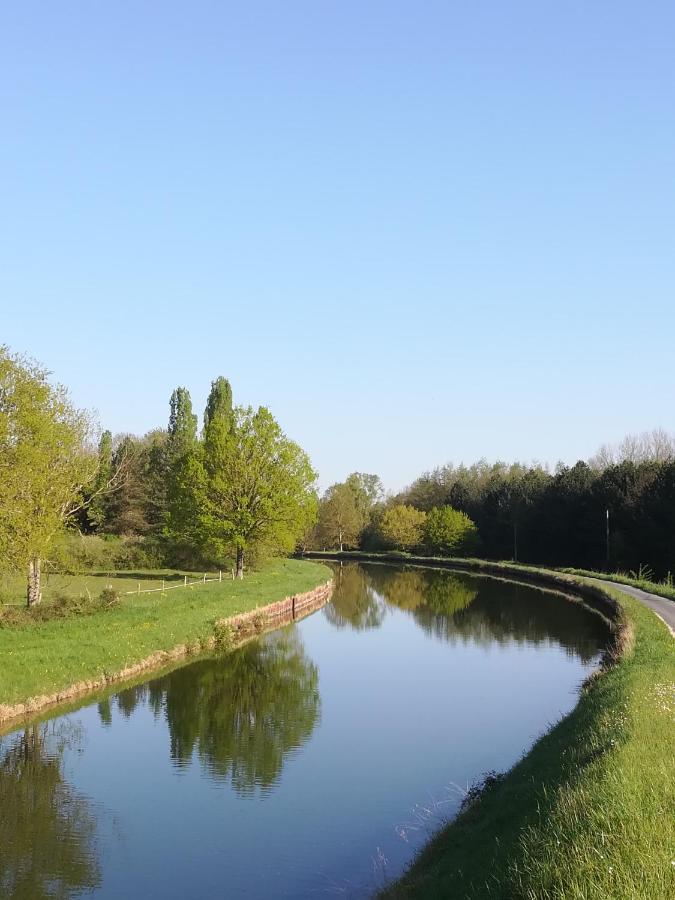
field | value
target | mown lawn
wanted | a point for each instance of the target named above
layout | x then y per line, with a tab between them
589	813
41	658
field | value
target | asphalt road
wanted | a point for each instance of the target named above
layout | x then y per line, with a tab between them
661	605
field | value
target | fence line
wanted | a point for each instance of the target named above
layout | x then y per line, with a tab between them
172	587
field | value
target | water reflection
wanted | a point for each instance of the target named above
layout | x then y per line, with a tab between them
174	768
47	829
455	607
241	713
355	602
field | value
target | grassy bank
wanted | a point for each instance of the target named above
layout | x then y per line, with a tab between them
590	811
90	584
661	588
46	657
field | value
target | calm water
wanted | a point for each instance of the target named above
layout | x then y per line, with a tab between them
312	762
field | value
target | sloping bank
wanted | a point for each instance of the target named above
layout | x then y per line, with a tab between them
60	659
589	812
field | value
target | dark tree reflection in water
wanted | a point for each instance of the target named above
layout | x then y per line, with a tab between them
240	713
455	606
47	829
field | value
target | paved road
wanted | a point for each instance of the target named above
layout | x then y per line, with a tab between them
661	605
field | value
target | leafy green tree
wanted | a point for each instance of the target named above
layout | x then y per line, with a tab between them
367	489
45	465
450	532
182	465
254	488
138	506
340	518
182	430
402	526
96	511
218	415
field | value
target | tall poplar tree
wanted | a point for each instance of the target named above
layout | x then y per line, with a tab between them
183	464
182	425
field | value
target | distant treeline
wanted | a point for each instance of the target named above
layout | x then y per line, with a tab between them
615	511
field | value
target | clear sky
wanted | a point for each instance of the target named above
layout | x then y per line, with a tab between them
417	231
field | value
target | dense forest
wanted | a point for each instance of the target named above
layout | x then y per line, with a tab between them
614	511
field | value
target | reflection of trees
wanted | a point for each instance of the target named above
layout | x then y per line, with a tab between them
457	607
242	712
355	602
47	831
506	612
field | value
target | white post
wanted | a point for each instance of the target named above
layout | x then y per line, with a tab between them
139	587
220	575
185	583
162	585
204	577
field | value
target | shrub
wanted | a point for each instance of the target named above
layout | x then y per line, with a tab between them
402	527
450	532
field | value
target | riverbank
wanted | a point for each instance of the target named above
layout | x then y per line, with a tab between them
589	812
53	661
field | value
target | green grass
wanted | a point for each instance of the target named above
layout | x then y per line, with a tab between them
44	657
589	813
662	588
13	587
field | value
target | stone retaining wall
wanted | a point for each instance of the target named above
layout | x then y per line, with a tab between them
243	627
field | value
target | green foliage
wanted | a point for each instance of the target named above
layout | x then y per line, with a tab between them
96	509
182	430
254	488
403	527
450	532
45	464
218	415
560	518
340	519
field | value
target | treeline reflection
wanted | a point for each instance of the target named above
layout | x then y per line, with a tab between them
47	829
457	607
240	714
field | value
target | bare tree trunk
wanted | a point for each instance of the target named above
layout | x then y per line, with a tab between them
340	540
240	562
34	594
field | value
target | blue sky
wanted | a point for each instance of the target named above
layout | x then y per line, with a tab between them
418	232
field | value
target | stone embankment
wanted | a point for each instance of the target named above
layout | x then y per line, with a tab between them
238	629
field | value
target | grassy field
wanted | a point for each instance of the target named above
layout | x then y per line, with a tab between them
589	813
41	658
13	587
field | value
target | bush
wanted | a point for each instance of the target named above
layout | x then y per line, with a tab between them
450	532
402	527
